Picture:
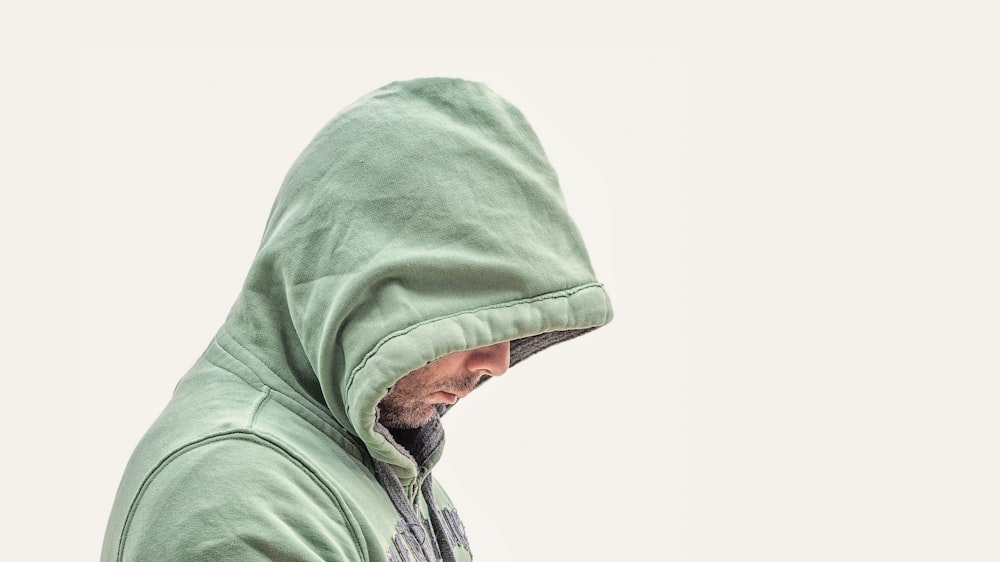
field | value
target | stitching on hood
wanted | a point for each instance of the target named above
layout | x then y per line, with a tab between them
557	294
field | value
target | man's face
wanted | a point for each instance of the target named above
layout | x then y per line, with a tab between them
412	401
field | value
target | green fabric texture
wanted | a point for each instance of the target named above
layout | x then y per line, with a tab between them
422	220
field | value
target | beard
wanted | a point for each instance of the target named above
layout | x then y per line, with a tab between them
407	406
405	415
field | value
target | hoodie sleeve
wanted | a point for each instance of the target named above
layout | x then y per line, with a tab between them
237	499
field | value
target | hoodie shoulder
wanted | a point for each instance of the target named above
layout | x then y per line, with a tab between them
237	497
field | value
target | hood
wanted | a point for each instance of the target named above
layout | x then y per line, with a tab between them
422	220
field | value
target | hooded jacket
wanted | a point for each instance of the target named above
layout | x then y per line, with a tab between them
422	220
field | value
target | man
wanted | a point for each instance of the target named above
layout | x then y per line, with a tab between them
418	247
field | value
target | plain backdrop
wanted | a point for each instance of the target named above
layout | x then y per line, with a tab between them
795	211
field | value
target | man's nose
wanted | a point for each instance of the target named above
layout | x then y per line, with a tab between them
491	360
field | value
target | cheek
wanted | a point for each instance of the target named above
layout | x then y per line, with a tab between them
412	384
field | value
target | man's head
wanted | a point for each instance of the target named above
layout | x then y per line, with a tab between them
425	216
414	398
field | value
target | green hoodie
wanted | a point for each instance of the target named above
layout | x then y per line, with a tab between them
424	219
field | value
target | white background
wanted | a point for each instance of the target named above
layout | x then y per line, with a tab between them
794	209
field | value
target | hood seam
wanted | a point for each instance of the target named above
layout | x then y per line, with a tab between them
545	296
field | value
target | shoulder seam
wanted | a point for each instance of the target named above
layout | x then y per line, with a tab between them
250	437
258	405
285	399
